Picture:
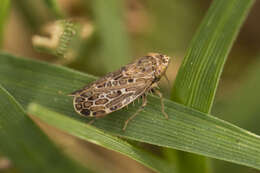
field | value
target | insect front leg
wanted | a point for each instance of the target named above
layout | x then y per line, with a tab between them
144	103
157	92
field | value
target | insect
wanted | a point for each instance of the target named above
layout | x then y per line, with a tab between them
120	88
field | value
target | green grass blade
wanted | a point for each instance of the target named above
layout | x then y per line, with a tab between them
199	74
111	28
93	135
198	77
241	107
33	82
25	145
4	9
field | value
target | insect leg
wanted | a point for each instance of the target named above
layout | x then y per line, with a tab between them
144	99
162	104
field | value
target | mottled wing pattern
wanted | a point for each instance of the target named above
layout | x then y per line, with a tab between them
115	90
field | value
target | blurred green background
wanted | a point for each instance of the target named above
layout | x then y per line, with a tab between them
124	30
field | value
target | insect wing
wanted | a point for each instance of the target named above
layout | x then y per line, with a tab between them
113	91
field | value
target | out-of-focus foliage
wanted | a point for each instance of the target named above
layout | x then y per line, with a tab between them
4	10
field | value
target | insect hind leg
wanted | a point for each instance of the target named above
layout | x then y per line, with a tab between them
144	103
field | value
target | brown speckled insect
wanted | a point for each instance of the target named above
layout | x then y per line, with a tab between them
117	89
